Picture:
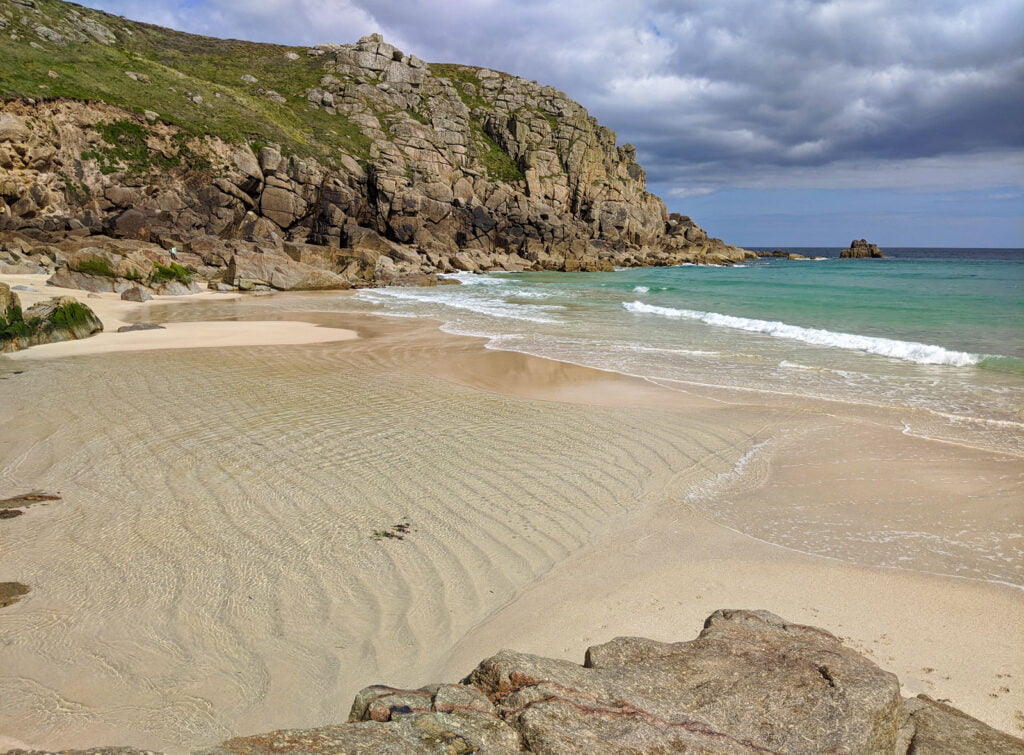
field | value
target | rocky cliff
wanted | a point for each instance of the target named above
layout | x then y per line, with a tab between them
406	168
750	683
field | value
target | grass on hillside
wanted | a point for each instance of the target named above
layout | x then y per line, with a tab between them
179	65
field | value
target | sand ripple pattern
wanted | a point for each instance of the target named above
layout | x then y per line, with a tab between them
212	570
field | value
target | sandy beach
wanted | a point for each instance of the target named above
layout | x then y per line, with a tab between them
217	565
115	313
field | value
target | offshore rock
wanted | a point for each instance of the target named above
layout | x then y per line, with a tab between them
860	248
750	683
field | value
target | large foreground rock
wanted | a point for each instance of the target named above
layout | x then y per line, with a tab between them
750	683
61	318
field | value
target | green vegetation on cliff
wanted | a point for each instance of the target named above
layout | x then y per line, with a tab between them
190	81
136	131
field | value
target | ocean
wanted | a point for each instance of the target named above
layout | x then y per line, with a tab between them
935	332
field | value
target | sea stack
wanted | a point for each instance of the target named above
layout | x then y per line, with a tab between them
861	248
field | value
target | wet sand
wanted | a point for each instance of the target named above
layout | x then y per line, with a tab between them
215	567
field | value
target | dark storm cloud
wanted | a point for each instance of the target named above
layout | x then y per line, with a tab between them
766	92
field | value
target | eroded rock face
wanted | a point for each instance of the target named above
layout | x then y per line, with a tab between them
750	683
465	168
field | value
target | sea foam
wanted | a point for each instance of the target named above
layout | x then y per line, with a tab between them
910	351
472	303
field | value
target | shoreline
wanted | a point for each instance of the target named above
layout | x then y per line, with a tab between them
112	312
657	568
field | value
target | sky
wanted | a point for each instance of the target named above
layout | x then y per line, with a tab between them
770	122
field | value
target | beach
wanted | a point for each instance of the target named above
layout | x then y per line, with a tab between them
275	502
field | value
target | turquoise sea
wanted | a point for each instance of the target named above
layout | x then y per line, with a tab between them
936	331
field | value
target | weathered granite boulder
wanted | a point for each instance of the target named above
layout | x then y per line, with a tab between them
750	683
137	294
939	729
58	319
860	248
438	719
247	270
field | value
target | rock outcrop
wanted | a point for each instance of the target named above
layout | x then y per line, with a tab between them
61	318
860	248
750	683
449	167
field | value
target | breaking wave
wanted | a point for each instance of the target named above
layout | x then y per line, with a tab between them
910	351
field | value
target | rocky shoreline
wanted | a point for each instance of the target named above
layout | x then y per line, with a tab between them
750	682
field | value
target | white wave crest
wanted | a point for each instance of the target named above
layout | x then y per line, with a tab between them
474	279
471	303
910	351
641	289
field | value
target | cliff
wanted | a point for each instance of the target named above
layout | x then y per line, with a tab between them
750	683
136	132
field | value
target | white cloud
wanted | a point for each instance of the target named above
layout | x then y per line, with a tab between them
779	92
682	192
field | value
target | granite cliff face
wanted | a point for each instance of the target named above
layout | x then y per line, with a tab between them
750	683
406	168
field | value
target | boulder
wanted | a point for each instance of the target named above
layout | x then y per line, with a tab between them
136	293
65	278
177	288
140	326
939	729
58	319
248	270
750	680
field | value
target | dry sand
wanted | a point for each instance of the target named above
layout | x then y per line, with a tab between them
224	577
115	313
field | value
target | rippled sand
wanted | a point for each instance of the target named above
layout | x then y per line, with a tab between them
218	564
